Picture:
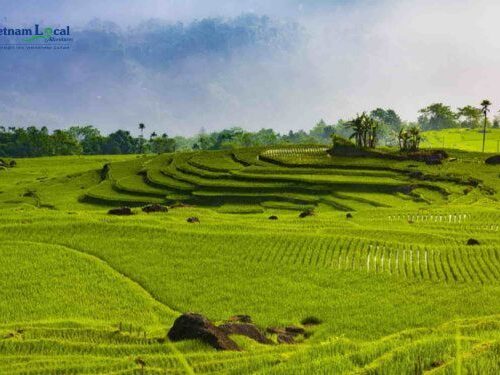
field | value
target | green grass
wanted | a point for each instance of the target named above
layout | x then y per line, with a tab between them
462	139
396	286
66	284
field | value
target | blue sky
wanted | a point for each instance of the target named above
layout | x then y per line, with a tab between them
312	60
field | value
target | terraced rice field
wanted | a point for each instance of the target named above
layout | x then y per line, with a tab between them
396	286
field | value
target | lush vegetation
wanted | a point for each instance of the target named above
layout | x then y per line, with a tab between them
396	287
380	126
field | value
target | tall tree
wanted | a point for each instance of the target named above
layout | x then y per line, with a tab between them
89	137
65	143
437	116
469	116
365	130
322	132
120	142
141	142
388	117
485	107
409	138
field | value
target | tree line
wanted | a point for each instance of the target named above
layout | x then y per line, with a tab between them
380	126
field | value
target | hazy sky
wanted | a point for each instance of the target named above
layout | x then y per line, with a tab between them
350	56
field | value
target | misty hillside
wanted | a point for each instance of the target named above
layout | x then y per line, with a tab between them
156	71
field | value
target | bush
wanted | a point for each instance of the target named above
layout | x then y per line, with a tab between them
342	146
339	141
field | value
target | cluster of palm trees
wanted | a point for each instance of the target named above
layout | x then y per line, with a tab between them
409	138
365	129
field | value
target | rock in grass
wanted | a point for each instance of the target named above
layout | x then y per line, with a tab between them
155	208
246	329
294	330
433	160
122	211
193	219
473	181
306	213
275	330
180	205
437	363
191	326
289	330
472	242
311	321
240	318
273	217
284	338
493	160
12	163
348	215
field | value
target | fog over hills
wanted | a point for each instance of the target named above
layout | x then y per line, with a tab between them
179	66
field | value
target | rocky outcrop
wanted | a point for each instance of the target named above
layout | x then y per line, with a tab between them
192	326
154	208
246	329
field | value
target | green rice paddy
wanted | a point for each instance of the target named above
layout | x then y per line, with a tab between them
397	288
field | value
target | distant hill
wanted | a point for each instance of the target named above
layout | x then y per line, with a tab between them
462	139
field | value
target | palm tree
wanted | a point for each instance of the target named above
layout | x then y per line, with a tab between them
358	127
141	142
372	128
153	135
485	104
415	137
403	139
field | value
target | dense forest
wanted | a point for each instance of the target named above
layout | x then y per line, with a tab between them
34	141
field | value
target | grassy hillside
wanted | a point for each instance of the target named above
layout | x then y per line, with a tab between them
397	288
462	139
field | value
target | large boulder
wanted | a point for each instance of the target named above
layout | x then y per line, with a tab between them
154	208
192	326
493	160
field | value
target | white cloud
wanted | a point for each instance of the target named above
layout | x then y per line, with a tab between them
358	55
